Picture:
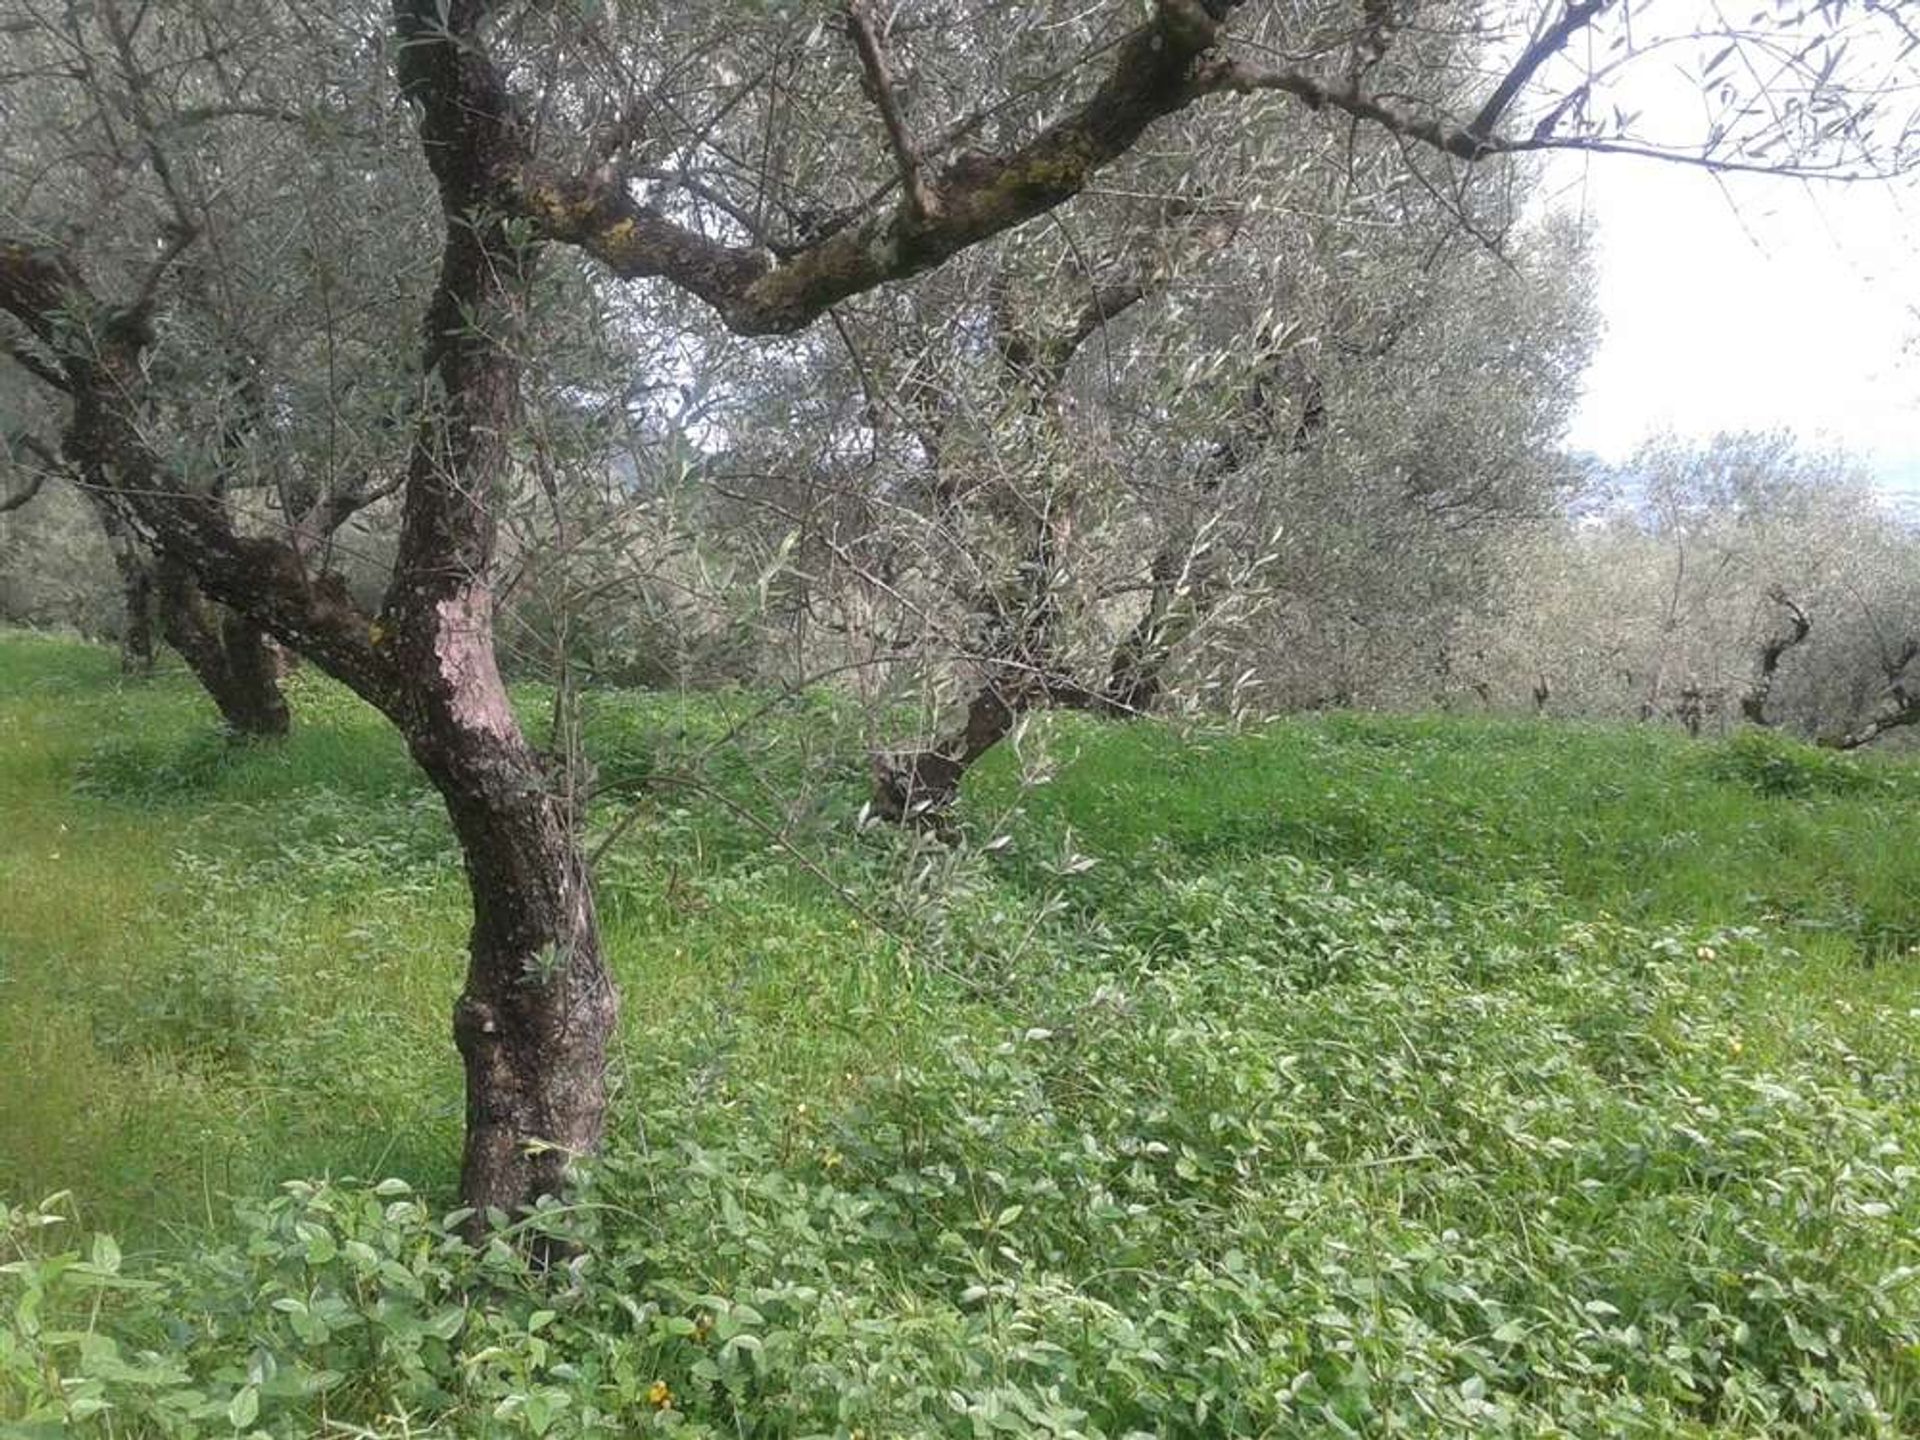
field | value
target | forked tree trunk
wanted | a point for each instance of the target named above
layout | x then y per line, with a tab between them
231	657
538	1007
234	661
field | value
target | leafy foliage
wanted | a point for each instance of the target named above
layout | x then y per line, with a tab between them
1776	765
1353	1076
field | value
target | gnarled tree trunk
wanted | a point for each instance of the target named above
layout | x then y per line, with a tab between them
231	657
533	1020
1899	706
911	784
1753	704
538	1006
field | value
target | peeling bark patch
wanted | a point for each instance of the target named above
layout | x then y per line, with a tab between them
463	655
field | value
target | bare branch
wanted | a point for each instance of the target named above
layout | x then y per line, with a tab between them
185	228
1476	141
1545	46
880	89
41	370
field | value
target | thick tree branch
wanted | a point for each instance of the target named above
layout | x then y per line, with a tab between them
1154	73
1157	70
263	578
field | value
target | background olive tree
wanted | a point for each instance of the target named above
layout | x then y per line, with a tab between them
1743	579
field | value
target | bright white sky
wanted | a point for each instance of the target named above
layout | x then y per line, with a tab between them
1752	303
1747	301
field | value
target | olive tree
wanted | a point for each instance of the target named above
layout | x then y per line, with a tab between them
770	165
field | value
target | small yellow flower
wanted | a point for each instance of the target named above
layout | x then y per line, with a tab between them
658	1395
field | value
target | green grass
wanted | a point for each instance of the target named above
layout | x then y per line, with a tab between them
1357	1075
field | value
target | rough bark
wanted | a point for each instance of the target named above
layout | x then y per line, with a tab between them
1157	70
231	657
1166	64
533	1020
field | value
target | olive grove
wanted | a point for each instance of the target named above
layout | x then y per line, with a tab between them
1743	580
1225	313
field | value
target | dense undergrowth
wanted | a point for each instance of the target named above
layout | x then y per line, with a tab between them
1360	1075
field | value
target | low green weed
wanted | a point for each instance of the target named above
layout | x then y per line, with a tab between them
1354	1076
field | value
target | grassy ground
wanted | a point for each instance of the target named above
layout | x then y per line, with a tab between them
1360	1075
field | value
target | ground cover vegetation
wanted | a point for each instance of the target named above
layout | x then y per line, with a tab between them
976	563
634	238
1347	1074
